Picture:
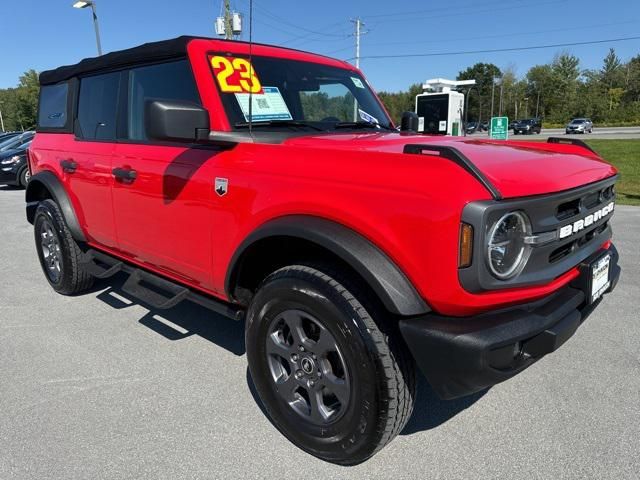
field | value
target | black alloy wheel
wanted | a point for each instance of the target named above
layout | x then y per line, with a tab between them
307	367
59	254
328	363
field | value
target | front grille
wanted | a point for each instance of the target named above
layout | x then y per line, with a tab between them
548	213
574	245
585	202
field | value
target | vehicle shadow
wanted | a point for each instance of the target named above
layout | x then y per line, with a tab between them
188	319
181	321
431	412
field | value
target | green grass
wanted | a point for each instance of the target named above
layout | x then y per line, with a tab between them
625	156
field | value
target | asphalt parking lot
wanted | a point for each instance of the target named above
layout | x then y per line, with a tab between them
99	387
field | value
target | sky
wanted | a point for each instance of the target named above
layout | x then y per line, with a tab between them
44	34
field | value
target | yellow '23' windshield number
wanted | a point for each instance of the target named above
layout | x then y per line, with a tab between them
235	75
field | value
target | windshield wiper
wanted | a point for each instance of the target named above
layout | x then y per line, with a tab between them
361	124
279	123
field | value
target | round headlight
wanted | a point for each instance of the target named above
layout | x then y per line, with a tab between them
507	252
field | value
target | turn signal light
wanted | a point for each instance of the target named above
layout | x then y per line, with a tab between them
466	245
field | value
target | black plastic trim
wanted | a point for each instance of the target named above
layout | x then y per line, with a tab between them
456	156
570	141
385	278
461	356
174	120
541	210
54	186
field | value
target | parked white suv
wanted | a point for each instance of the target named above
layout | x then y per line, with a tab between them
579	125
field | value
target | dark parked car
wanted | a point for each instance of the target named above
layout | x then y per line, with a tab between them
528	125
16	141
484	127
14	168
6	135
579	125
471	127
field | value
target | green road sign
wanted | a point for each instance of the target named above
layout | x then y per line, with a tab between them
499	129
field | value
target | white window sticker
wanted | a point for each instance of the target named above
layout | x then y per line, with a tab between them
265	106
421	124
366	117
357	82
442	127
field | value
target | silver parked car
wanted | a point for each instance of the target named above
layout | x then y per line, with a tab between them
579	125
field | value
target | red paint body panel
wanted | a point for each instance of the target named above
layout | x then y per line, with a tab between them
171	221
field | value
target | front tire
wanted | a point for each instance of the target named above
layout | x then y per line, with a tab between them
333	376
23	177
58	252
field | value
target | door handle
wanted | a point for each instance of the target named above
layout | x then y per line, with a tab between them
68	166
124	173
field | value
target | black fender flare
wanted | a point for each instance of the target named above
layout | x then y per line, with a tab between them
52	184
384	277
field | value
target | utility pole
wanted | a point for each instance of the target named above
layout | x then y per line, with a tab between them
359	24
500	104
2	121
228	27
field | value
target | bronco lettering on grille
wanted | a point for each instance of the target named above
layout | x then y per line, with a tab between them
585	222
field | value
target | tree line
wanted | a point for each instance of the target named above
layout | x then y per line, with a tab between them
554	92
19	105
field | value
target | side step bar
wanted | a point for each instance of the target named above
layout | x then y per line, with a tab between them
151	289
100	265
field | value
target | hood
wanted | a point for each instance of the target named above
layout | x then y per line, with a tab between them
515	169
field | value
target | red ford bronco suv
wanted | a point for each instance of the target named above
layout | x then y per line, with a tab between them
270	185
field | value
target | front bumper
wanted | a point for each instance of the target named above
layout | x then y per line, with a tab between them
8	175
460	356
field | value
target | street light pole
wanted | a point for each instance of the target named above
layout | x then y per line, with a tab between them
92	4
493	91
2	121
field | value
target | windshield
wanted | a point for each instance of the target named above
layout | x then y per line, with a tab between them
295	94
578	121
14	142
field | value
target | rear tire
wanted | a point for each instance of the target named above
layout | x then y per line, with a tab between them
58	252
334	377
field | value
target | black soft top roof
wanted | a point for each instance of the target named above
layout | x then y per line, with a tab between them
176	47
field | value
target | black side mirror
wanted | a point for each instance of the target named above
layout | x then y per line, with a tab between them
177	121
409	122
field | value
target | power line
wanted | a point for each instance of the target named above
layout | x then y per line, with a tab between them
459	7
483	37
507	35
459	12
293	25
495	50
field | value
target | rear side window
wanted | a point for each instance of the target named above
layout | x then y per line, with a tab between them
166	81
53	106
97	106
